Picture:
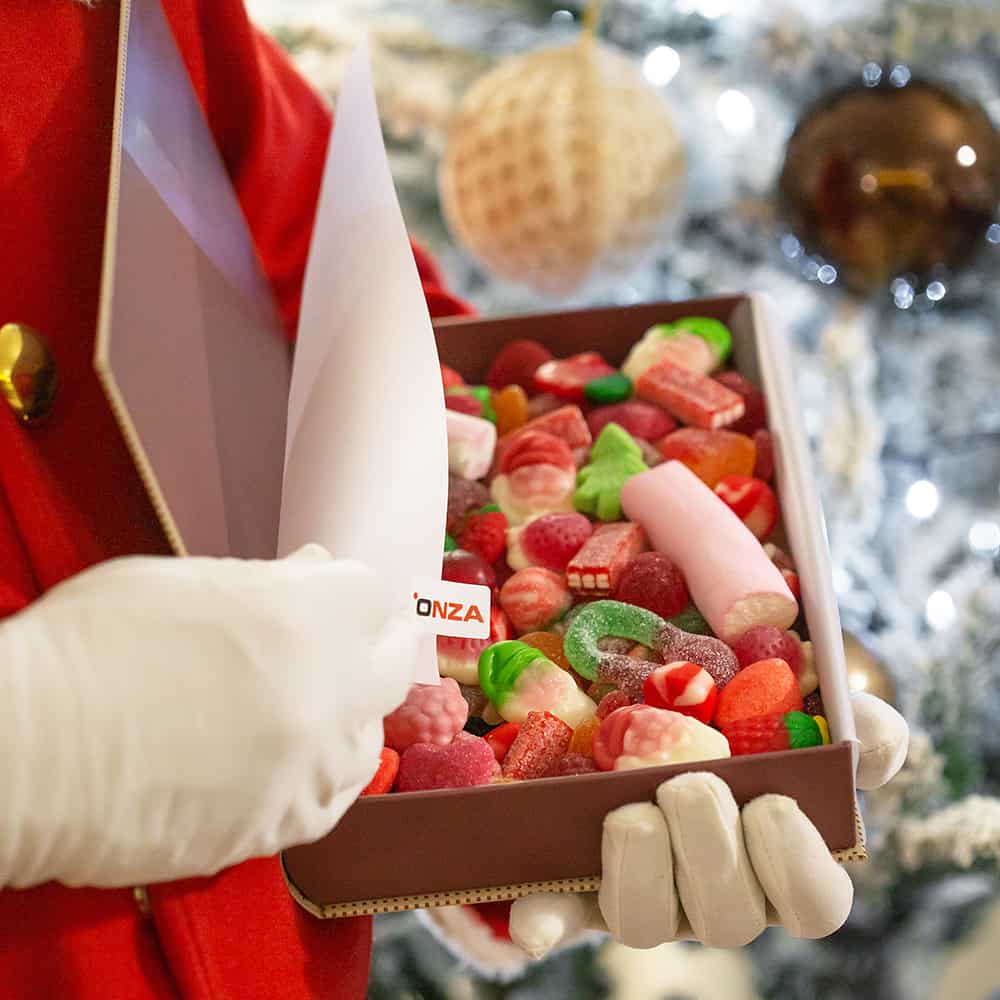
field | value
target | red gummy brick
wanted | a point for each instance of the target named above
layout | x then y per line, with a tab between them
595	570
690	397
538	747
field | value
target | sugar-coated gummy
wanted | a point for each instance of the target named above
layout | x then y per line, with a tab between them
463	763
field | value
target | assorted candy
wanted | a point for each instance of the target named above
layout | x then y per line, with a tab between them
622	518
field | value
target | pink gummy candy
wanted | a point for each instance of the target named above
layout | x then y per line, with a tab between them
432	713
612	701
534	598
468	760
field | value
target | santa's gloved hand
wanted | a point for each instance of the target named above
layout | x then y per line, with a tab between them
163	718
695	866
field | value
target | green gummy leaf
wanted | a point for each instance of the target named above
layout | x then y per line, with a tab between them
803	730
613	459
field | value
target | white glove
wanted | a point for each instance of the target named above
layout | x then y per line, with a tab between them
693	866
163	718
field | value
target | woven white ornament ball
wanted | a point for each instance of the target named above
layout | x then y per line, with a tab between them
561	165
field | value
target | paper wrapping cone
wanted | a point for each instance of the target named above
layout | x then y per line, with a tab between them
367	453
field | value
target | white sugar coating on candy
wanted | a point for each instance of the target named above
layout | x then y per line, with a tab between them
534	490
471	442
713	654
732	581
544	687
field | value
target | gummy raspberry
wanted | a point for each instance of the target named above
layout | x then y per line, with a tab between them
552	540
755	413
485	535
653	582
536	448
463	402
432	713
466	761
461	566
463	495
641	420
765	642
516	364
611	701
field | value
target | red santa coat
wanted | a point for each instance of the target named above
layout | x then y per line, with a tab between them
70	497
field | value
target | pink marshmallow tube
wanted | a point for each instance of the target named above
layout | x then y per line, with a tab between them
731	579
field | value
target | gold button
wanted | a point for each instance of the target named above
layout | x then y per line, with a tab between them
27	371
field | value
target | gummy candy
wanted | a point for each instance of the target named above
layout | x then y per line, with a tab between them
471	441
463	495
388	767
485	397
543	403
574	763
501	738
808	678
449	543
643	736
566	377
690	397
565	422
752	501
608	388
777	731
450	378
474	698
542	740
534	447
691	620
518	679
510	405
754	413
642	420
466	761
550	644
595	570
485	534
583	737
552	540
461	566
765	642
613	459
611	701
710	455
432	713
684	687
516	364
653	582
713	654
537	477
601	618
759	689
459	658
534	598
812	704
664	342
462	401
764	466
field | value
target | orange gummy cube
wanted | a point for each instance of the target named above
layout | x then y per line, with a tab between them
510	405
710	455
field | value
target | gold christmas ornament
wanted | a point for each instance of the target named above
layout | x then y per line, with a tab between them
27	372
866	673
561	165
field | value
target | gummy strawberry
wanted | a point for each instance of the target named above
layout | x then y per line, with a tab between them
765	642
653	582
553	539
641	420
485	534
450	378
755	413
516	364
536	448
463	495
771	733
462	566
463	402
567	377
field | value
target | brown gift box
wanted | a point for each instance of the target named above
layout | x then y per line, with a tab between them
501	841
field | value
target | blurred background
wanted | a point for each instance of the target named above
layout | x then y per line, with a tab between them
842	157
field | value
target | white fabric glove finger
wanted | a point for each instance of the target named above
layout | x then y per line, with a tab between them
548	920
720	894
637	896
884	737
810	892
